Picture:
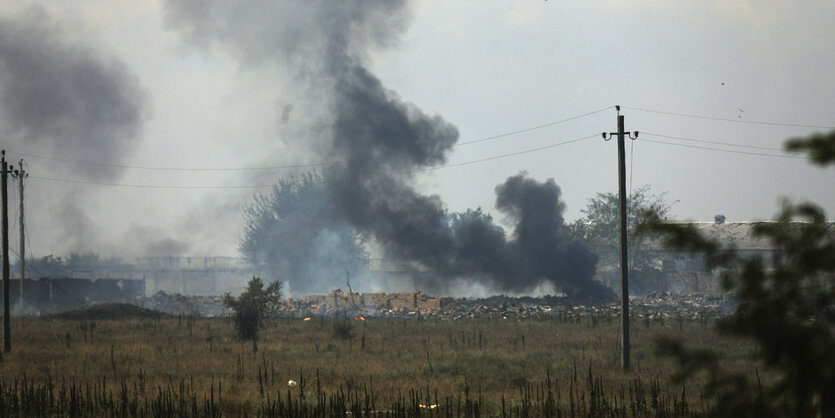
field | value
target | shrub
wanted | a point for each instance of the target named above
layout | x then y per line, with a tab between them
253	305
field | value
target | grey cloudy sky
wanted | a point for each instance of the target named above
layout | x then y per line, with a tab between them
487	67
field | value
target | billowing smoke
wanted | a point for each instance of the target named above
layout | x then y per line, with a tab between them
376	142
150	241
63	98
541	245
60	97
382	141
293	234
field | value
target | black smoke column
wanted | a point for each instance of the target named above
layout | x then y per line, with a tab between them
541	241
376	142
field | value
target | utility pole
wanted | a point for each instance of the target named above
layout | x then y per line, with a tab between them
624	261
4	193
20	175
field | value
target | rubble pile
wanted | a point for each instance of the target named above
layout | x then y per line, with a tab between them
396	304
418	305
177	304
695	306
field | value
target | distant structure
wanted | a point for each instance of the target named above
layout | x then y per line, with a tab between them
685	272
200	276
48	294
193	275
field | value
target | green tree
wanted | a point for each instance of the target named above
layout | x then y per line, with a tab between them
786	306
600	230
255	304
293	234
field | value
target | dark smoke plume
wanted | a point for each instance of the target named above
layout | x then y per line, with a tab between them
377	141
61	97
541	242
64	98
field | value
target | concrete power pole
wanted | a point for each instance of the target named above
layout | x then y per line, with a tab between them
624	261
20	175
4	193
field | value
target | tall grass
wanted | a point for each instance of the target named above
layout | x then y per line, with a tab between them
197	367
24	397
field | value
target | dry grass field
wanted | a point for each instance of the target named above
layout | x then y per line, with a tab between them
189	366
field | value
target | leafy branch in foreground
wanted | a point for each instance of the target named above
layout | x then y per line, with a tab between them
786	306
820	147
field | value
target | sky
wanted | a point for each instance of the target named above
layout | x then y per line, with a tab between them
176	100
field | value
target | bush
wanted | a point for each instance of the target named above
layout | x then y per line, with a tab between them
253	305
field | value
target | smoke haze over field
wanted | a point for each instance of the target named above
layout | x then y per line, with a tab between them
192	107
61	97
65	98
376	142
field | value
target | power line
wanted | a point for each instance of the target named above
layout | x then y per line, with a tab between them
146	186
801	125
496	157
533	128
31	303
322	164
705	141
44	275
721	150
149	186
139	167
279	167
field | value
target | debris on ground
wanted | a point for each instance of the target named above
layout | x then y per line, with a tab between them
418	305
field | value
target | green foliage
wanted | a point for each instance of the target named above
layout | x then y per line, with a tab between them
600	230
253	305
786	305
294	234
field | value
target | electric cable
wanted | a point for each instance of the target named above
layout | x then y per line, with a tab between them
145	186
800	125
533	128
150	186
45	275
496	157
279	167
705	141
721	150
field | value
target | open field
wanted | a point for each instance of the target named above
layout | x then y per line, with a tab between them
196	366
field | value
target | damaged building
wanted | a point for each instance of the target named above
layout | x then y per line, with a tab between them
684	272
53	284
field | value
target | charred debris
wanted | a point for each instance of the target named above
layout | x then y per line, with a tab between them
418	305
